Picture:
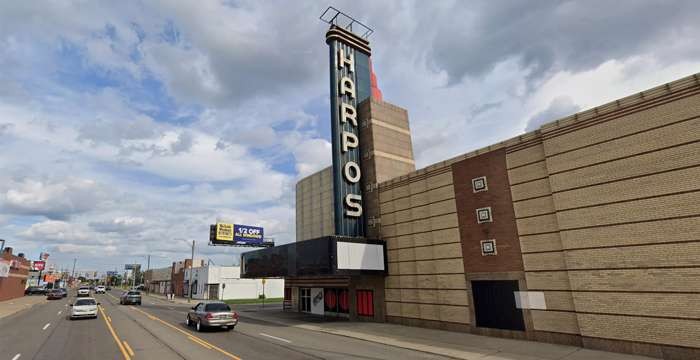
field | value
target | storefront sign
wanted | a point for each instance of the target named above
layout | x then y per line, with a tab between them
39	265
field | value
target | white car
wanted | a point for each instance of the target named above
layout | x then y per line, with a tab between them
100	289
84	308
83	291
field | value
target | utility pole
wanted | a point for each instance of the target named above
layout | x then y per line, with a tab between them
189	283
73	272
72	275
148	268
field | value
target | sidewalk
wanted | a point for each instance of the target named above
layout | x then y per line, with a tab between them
445	343
9	307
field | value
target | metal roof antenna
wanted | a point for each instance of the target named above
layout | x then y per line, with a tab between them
335	17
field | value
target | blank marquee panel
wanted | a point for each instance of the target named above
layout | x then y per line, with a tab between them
358	256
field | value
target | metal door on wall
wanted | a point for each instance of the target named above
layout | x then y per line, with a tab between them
213	291
494	304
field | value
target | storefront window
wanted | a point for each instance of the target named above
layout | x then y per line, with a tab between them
305	300
336	301
365	302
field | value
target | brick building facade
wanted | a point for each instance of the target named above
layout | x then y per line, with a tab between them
593	218
14	284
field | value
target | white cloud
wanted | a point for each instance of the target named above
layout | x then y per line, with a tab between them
56	199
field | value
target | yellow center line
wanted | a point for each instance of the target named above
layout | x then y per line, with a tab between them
204	342
128	348
199	342
114	334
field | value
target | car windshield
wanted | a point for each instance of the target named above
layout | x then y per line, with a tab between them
84	288
133	293
84	302
217	307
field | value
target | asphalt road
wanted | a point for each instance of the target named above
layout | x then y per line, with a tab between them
156	330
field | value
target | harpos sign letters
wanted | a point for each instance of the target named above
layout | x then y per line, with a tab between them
349	86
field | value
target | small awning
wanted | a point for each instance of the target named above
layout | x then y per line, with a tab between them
329	255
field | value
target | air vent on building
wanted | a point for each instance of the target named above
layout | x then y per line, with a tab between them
479	184
483	215
488	247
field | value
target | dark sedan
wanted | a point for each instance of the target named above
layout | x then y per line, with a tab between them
54	294
34	290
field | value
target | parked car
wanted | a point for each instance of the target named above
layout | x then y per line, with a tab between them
214	314
83	291
84	307
64	292
108	288
130	297
100	289
54	294
33	290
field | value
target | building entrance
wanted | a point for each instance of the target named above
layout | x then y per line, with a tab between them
494	304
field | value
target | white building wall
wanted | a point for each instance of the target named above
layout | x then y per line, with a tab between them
231	286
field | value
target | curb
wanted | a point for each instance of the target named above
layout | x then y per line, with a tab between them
428	349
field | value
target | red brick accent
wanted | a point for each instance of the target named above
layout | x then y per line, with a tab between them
503	228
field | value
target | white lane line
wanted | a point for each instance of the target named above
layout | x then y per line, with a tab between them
276	338
46	326
16	357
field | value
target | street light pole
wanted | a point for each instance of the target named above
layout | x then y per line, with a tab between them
189	283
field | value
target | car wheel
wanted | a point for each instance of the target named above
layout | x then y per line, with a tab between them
229	328
199	325
139	303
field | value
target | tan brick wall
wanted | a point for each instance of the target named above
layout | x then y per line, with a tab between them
668	305
530	189
650	330
542	242
638	210
629	145
639	121
607	209
547	280
685	229
314	205
641	280
642	164
555	321
684	254
647	186
426	270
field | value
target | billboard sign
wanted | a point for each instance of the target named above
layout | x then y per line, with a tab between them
244	234
224	232
111	273
39	265
350	85
237	235
131	266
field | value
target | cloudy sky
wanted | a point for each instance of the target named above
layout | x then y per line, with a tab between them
127	130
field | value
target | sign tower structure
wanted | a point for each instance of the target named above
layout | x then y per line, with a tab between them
350	84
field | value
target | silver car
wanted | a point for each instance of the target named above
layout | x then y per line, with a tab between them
213	314
84	308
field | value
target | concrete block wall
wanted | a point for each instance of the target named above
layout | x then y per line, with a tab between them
314	205
426	284
606	205
608	215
